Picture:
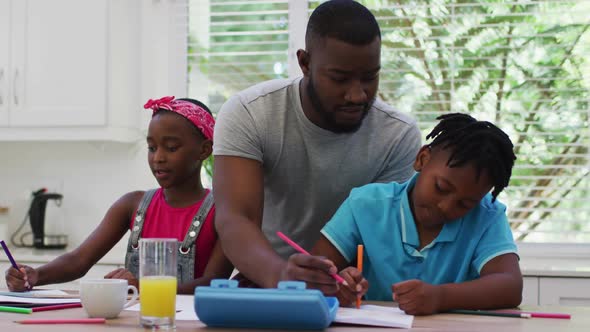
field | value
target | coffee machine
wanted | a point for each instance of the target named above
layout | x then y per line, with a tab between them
37	214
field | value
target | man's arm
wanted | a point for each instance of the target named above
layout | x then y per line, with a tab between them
239	200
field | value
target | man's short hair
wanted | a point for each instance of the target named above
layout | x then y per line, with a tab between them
345	20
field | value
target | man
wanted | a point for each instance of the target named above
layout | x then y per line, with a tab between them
288	152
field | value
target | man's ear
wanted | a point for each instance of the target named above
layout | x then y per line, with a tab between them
303	60
422	158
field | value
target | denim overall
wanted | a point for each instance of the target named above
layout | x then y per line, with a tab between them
186	257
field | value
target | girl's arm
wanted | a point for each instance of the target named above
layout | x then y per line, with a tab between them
75	264
499	286
218	267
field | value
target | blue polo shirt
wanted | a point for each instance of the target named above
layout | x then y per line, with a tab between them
378	216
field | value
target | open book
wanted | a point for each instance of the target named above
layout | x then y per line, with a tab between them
374	315
41	293
36	298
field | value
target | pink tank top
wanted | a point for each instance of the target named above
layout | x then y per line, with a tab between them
164	221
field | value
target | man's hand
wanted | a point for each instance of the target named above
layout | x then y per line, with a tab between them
416	297
122	273
313	270
356	286
21	280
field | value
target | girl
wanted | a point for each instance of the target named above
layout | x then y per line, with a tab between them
179	139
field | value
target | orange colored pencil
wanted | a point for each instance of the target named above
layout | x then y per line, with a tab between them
359	266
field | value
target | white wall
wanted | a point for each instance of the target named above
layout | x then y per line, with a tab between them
91	176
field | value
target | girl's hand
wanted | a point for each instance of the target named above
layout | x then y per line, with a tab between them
356	286
21	280
416	297
122	273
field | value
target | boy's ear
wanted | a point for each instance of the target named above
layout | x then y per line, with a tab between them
206	149
422	158
303	60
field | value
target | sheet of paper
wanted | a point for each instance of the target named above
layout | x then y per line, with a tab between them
185	307
43	293
374	315
37	300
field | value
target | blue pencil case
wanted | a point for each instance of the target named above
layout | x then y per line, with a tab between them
290	306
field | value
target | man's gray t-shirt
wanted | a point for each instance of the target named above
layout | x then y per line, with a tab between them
309	171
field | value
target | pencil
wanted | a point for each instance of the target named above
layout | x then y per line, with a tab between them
58	306
303	251
359	266
13	262
10	258
17	310
491	313
63	321
543	314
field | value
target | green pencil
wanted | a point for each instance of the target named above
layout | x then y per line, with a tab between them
16	310
491	313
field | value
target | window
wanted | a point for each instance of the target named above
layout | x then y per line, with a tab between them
235	44
523	65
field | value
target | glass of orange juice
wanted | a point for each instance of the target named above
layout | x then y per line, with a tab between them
157	282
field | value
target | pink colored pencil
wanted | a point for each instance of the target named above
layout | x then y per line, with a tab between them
543	314
303	251
63	321
58	307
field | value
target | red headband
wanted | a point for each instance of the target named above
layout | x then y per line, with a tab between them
194	113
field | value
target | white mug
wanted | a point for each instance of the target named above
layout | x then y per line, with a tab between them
105	298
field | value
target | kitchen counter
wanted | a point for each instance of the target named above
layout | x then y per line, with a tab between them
30	255
530	267
553	267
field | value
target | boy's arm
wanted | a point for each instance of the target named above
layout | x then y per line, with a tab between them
499	286
323	247
239	195
356	286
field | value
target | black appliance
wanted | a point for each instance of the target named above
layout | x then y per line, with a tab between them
37	214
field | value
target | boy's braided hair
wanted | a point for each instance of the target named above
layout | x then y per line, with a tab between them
477	142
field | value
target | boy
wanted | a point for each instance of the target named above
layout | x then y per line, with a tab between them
439	241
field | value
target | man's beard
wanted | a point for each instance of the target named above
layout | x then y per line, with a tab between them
328	117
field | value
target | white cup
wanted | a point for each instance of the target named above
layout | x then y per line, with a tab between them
105	298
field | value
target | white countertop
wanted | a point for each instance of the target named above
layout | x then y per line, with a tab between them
30	255
555	267
530	266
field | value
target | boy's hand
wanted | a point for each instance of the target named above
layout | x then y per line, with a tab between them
122	273
356	286
416	297
21	280
313	270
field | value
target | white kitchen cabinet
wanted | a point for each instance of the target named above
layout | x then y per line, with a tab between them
530	291
58	62
4	40
72	69
564	291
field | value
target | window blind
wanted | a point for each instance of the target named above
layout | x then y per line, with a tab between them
523	65
235	44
